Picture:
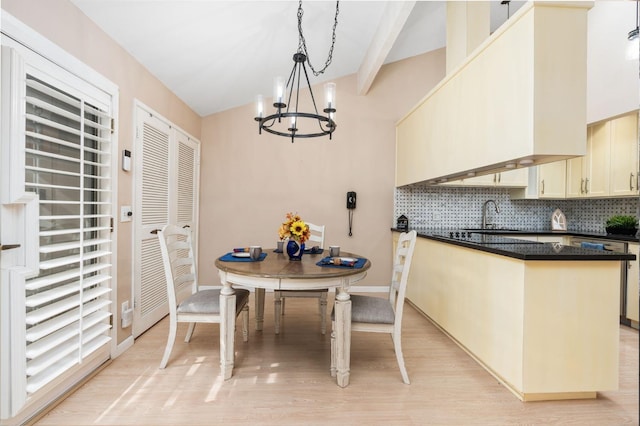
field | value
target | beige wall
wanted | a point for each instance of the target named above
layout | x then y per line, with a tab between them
249	181
63	24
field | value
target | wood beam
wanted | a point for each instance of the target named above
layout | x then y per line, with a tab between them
394	18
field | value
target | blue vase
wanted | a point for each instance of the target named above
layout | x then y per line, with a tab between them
295	250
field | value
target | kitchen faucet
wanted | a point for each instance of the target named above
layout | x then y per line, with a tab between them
486	225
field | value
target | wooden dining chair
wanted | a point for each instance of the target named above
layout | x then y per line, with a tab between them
383	315
187	303
315	240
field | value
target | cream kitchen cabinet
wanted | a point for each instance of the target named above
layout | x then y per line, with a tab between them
609	169
503	104
515	308
510	179
624	156
588	176
632	285
552	180
545	181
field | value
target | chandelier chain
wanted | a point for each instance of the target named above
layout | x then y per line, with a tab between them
302	45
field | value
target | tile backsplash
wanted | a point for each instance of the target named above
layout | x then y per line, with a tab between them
448	207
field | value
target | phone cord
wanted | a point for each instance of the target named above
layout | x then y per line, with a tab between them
350	221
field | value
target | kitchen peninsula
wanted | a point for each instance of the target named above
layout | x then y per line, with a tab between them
541	317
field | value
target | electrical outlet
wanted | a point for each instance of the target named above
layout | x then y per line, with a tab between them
126	316
125	214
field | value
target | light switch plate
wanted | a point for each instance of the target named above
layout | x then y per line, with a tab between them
125	214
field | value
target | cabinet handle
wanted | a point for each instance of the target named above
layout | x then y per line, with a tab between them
542	182
586	186
494	177
8	246
631	181
499	177
582	186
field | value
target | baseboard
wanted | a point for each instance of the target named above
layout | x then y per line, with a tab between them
122	347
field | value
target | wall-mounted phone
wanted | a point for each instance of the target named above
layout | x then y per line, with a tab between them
351	200
351	205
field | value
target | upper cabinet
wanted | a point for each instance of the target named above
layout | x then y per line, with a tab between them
545	181
624	178
588	176
510	179
609	169
520	96
552	180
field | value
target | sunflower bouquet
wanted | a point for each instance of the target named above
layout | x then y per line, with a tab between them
294	228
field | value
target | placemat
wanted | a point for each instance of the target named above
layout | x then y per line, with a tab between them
230	258
325	263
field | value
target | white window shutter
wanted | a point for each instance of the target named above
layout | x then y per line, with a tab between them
62	149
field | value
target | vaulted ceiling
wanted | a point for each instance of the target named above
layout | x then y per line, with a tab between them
216	55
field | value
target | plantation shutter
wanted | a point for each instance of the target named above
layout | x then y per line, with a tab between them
57	305
67	155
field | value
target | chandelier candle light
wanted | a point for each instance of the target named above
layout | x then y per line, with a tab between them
288	111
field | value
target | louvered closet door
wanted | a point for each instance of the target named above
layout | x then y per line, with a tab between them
186	190
188	177
167	165
152	212
60	320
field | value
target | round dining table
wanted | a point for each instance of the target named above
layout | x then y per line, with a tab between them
276	272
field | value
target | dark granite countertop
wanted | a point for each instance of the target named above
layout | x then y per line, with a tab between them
611	237
494	241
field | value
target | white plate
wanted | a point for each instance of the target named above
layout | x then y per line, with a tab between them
241	254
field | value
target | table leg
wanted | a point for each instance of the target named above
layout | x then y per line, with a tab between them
227	327
259	295
343	335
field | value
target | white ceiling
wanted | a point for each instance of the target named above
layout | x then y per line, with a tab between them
216	55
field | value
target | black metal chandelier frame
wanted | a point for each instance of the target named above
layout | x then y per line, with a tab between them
289	110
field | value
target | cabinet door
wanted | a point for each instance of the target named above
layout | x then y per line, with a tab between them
513	178
575	179
588	176
552	180
624	155
509	179
485	180
598	160
632	284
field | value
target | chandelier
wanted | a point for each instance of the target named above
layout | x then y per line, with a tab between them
287	120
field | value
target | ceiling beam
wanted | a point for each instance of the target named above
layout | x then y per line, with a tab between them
394	17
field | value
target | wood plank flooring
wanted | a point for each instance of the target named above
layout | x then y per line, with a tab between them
284	380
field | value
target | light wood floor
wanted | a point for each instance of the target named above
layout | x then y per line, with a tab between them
284	380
